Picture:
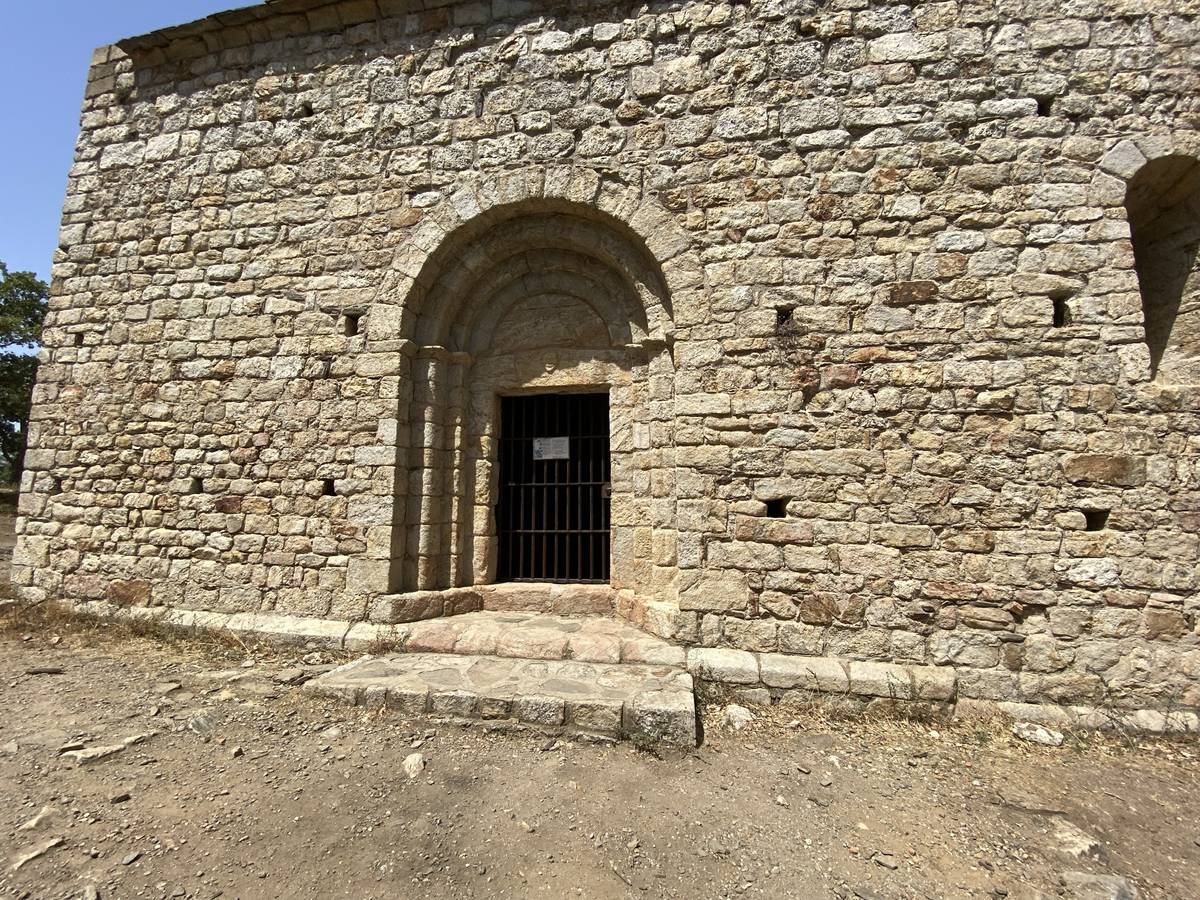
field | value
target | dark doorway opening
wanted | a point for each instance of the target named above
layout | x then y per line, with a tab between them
553	510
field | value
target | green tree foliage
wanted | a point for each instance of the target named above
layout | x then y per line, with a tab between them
22	309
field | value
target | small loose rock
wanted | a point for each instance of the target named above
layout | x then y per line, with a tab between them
1037	734
413	765
736	717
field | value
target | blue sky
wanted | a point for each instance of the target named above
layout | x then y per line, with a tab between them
45	49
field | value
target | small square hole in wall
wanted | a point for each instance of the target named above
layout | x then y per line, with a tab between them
1097	519
352	324
56	487
328	488
783	316
1045	105
195	486
1062	312
79	339
777	508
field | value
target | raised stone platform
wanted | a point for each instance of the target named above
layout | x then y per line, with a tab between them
718	672
642	703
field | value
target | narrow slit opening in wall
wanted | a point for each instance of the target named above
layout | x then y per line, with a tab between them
1097	519
1062	312
328	488
351	324
777	508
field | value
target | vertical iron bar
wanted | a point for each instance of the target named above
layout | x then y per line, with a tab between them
553	477
570	567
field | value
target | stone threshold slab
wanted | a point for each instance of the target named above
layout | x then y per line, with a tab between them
527	635
649	705
555	599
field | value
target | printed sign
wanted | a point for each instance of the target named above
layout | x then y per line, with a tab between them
551	448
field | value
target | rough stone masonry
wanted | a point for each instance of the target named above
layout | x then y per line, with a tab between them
896	304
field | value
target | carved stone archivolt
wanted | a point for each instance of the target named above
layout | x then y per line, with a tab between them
535	294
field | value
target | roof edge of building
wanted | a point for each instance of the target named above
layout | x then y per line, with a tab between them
271	19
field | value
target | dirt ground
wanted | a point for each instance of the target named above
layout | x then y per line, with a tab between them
240	786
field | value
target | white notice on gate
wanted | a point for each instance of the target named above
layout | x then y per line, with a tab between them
551	448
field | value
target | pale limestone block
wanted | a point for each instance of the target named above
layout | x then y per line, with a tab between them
933	682
876	679
717	591
811	673
728	666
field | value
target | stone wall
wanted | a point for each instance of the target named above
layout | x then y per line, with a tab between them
886	385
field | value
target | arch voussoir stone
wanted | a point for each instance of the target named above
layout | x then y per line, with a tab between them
605	300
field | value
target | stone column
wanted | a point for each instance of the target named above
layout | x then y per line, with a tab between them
456	567
661	442
426	484
401	573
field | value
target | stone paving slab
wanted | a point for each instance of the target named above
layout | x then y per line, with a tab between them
530	635
643	703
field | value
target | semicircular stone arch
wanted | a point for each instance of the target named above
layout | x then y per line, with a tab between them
537	282
450	280
1158	197
1163	205
604	298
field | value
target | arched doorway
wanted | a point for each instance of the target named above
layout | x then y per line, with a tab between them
547	304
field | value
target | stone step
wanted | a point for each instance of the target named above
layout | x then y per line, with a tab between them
528	635
647	704
556	599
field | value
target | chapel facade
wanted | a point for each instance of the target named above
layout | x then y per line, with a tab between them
855	331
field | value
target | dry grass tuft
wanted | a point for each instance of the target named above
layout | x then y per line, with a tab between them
385	643
887	724
22	620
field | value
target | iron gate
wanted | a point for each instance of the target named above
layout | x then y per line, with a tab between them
553	510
